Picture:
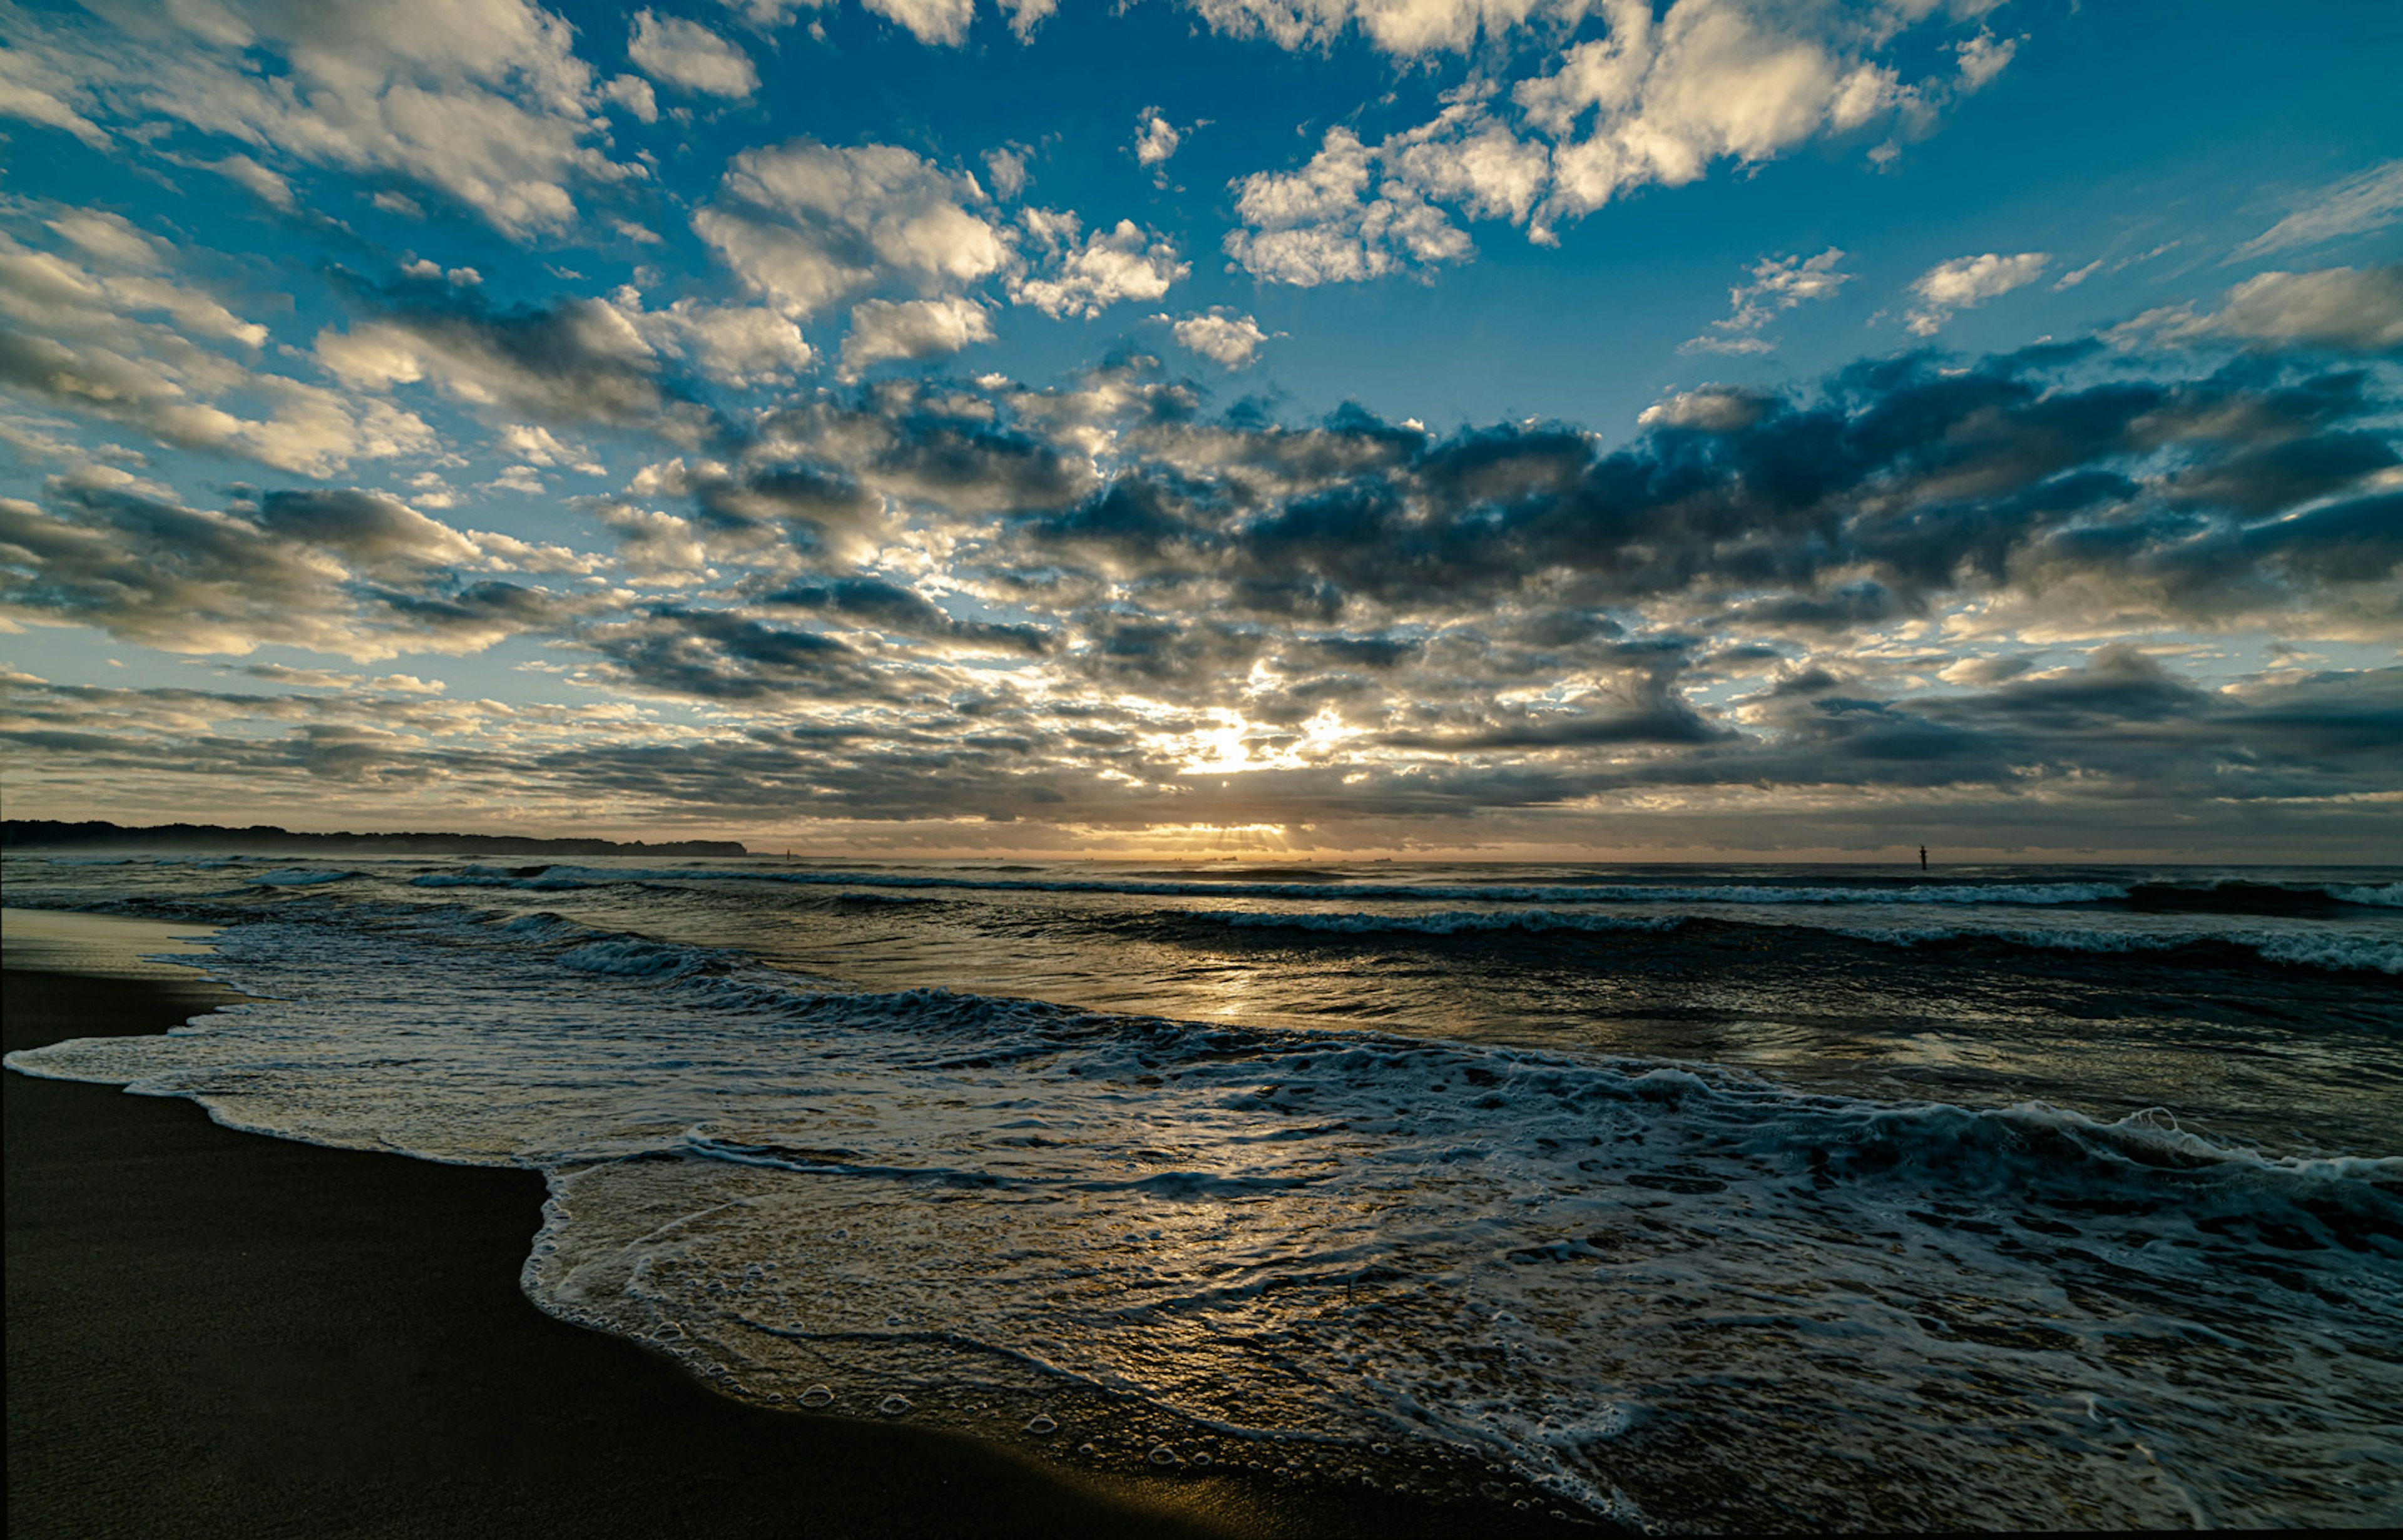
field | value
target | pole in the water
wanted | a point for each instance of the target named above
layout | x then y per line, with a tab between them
1922	857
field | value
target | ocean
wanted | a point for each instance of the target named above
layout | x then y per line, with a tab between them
1675	1198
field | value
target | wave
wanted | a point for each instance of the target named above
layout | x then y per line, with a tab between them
2241	895
297	877
2333	951
1451	923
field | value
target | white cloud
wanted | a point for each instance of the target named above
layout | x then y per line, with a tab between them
1967	282
82	335
1405	27
1126	263
2348	309
1026	15
768	14
1223	336
1985	57
1712	408
1778	284
689	56
484	101
881	330
2072	279
634	94
1653	102
744	346
1322	224
807	224
1006	167
541	447
35	89
2355	206
1155	137
258	178
943	21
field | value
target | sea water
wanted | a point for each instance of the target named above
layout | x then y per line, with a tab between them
1759	1198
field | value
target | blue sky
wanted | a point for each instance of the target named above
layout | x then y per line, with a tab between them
1333	425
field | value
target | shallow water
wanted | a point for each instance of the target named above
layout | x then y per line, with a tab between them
1765	1198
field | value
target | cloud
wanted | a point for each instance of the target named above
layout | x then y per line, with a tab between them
2355	207
741	346
1985	57
1653	102
1126	263
883	331
270	187
1966	283
2343	310
1323	224
807	224
482	101
1005	168
690	57
353	574
1155	137
1778	284
942	21
1223	336
1405	27
104	333
874	603
1027	15
581	361
1711	409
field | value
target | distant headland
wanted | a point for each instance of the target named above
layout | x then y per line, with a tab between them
266	839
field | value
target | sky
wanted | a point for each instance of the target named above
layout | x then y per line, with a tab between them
1486	428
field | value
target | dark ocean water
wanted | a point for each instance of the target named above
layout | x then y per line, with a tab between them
1731	1198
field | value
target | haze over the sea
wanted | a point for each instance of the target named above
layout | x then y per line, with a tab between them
1499	428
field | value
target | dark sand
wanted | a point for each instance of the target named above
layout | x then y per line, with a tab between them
213	1333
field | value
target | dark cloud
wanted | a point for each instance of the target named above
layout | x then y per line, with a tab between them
338	571
723	655
871	602
1828	592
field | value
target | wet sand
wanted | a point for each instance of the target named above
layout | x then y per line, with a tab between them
212	1333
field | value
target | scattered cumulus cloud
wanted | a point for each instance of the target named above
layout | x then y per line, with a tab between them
1655	101
690	57
483	102
1155	138
806	224
881	330
1966	283
1224	336
943	23
1778	284
1121	264
1005	169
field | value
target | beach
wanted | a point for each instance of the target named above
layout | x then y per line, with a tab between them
215	1333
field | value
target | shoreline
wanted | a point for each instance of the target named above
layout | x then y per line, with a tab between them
218	1333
